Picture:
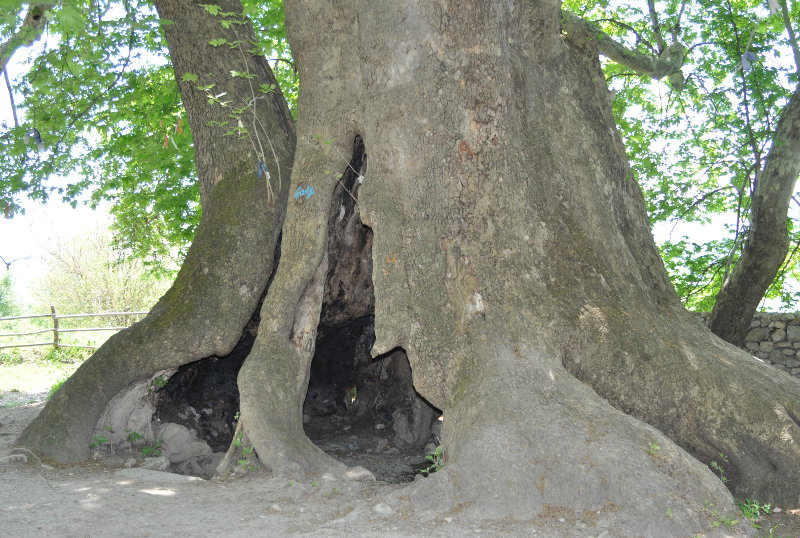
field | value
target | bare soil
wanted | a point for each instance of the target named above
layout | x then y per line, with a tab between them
95	499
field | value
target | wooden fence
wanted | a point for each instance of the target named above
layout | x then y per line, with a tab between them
57	330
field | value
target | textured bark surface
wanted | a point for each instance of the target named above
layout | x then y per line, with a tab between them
513	262
767	240
228	265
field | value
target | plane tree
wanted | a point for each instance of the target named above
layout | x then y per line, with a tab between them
455	178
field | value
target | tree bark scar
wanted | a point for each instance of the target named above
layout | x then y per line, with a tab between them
461	286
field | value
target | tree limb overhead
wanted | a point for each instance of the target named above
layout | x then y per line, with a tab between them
30	31
667	64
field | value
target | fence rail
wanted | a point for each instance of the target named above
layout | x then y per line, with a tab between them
57	330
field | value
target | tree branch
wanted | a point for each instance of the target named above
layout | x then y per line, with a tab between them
30	31
666	64
792	37
662	46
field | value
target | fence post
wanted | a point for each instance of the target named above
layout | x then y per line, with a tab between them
55	326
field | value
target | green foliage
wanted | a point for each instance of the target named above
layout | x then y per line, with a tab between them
752	510
718	467
160	382
133	437
98	441
7	305
698	152
437	461
88	275
152	451
55	387
103	97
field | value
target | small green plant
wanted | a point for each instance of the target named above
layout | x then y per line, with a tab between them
98	441
133	437
669	512
654	448
437	459
314	484
159	382
237	441
55	387
752	510
717	466
237	415
153	450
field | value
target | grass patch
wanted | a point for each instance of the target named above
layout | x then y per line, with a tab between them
32	377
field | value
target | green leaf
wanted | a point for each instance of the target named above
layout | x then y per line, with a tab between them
189	77
218	42
70	19
243	74
211	9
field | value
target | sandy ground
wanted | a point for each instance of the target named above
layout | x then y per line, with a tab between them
95	500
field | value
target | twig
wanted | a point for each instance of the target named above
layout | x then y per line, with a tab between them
11	98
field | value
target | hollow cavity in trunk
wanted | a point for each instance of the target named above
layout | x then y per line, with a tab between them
359	409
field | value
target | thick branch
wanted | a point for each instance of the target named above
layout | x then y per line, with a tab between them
668	63
768	240
30	31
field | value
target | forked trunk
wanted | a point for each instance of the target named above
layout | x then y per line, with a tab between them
513	264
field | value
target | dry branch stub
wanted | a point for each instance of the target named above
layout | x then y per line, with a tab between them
359	409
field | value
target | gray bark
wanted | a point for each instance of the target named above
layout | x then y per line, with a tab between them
228	265
514	264
767	240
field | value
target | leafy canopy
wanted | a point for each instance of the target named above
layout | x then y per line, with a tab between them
697	152
100	117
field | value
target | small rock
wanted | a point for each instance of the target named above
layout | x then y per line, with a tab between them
380	444
383	509
562	520
30	457
359	473
306	419
47	467
275	507
448	519
328	477
130	462
777	509
430	448
160	463
379	426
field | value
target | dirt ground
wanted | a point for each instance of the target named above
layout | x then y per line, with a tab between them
93	499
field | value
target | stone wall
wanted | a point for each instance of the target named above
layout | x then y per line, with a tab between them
775	338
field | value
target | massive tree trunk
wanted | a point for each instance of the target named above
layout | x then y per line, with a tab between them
513	264
499	243
226	271
767	240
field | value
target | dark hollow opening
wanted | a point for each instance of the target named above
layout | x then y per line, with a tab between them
203	397
362	411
